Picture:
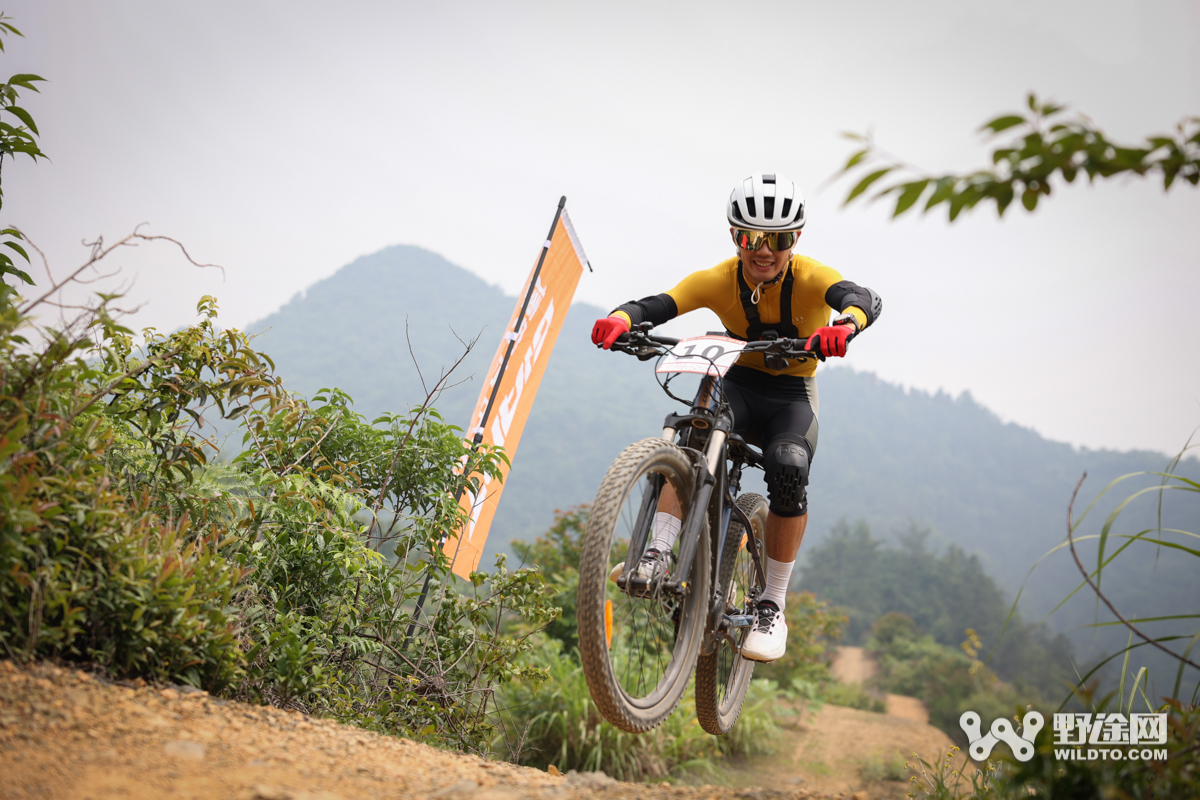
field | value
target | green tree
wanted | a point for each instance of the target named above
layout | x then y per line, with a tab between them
943	593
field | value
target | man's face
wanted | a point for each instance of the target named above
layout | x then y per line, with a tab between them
763	264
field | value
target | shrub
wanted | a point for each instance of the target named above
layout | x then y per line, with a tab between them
559	724
852	695
287	575
87	571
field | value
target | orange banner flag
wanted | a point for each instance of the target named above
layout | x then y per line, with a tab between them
513	378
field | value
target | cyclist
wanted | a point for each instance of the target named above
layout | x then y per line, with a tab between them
764	292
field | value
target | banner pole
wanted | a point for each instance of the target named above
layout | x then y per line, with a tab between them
477	439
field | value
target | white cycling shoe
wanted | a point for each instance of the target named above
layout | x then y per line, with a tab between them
767	640
651	566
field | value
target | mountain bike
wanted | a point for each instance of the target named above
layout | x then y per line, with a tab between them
642	638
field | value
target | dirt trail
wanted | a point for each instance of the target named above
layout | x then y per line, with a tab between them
853	665
64	734
846	750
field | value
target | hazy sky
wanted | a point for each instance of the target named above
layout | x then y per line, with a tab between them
282	140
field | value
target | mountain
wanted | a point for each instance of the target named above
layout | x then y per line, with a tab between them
895	458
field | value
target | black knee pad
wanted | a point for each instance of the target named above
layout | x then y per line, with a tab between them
787	460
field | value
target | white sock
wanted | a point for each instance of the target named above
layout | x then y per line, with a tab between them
666	530
779	574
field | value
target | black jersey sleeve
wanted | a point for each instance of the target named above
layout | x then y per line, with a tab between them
844	294
657	309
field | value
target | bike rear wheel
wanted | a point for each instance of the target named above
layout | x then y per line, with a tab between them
639	647
723	676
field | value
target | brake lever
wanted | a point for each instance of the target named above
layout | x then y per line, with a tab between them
803	353
635	344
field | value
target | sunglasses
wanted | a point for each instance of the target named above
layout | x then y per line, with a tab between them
753	240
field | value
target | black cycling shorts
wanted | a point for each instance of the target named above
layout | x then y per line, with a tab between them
768	407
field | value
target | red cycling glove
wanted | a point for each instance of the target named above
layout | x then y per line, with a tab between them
606	330
831	339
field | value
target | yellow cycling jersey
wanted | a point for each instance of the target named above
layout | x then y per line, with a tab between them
717	289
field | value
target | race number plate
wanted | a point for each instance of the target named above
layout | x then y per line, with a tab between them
704	355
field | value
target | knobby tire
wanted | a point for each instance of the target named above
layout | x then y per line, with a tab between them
648	650
723	677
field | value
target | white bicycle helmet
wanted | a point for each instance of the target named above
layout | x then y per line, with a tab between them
766	202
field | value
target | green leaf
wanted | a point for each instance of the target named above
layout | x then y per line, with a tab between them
1004	196
10	270
26	81
941	191
1029	199
866	182
1002	154
18	248
23	115
1002	123
856	159
956	205
912	193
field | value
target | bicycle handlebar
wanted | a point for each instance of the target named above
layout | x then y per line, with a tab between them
638	342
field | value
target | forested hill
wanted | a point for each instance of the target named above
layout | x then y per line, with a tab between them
889	456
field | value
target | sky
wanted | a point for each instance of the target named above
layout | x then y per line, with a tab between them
281	140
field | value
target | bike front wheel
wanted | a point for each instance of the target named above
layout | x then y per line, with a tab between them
723	676
639	644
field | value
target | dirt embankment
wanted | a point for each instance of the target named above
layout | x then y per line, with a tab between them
64	734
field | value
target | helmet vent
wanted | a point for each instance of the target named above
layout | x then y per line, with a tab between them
766	202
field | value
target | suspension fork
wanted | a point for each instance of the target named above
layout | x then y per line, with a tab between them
641	528
708	473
